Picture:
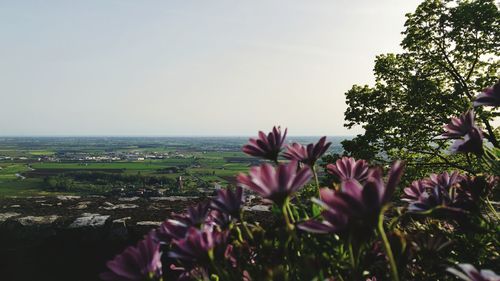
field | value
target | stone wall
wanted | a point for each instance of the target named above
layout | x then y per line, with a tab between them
72	237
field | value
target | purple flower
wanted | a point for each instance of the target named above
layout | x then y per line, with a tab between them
267	147
468	272
335	214
489	97
275	183
444	180
170	229
459	126
349	168
355	201
228	201
199	246
441	190
307	154
195	215
469	138
136	263
218	218
472	142
374	193
414	191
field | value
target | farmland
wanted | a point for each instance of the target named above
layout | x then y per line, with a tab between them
31	166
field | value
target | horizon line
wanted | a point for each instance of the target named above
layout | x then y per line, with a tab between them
159	136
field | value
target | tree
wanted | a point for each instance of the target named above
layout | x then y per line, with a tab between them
451	52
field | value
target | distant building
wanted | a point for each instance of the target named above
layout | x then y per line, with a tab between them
180	183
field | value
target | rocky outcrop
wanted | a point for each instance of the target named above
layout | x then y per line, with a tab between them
89	220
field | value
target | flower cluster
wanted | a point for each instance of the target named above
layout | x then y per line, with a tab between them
449	191
192	240
354	230
355	201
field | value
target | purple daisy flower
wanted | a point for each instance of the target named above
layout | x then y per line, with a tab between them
471	143
228	201
136	263
199	246
267	147
335	213
275	183
444	179
469	137
489	97
459	126
219	219
413	192
349	168
195	215
170	229
440	190
307	154
468	272
355	201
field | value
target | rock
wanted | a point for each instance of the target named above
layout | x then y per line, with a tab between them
5	216
258	208
149	223
47	205
15	206
37	220
32	197
119	228
119	206
89	220
96	196
81	205
128	199
122	220
108	204
68	197
173	198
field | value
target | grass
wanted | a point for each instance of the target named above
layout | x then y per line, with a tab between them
41	152
27	187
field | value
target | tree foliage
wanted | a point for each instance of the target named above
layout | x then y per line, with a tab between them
451	52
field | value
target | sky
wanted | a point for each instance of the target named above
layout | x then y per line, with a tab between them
188	68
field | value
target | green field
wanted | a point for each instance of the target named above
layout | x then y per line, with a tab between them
33	166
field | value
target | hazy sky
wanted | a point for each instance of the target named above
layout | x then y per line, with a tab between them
99	67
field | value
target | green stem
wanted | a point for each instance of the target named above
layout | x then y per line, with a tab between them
387	246
284	210
315	173
219	273
245	226
290	213
490	206
240	237
352	259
